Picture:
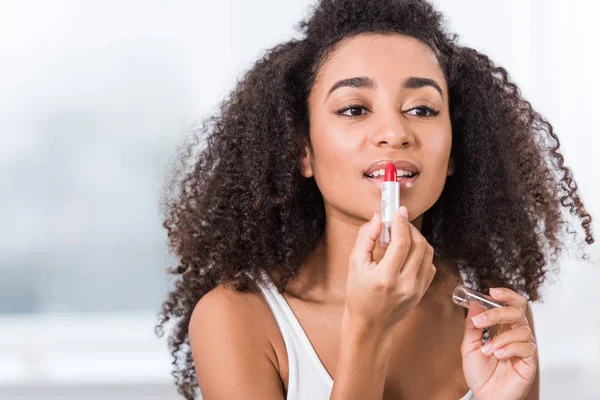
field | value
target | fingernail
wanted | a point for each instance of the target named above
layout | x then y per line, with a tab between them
478	319
499	352
403	211
497	290
486	348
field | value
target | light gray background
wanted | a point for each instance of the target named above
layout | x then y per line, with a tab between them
96	95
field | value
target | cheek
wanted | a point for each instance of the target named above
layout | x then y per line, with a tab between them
334	172
334	149
437	155
438	152
330	159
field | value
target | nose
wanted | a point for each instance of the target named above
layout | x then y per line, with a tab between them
393	132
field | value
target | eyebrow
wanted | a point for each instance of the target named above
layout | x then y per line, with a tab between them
412	82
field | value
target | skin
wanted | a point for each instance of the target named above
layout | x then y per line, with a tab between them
344	147
388	126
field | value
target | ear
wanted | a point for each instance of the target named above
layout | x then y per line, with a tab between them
450	166
306	163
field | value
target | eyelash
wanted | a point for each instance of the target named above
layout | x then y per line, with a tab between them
341	112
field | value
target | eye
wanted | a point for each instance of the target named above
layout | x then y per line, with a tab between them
353	108
425	111
355	111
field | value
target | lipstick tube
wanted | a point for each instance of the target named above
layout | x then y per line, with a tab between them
469	298
390	202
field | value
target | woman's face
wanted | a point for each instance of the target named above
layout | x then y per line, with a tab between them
389	119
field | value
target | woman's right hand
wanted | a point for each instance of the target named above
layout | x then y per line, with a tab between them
380	294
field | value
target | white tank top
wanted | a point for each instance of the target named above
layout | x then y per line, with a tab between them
308	378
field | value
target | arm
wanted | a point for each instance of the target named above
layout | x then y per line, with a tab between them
362	362
534	391
230	351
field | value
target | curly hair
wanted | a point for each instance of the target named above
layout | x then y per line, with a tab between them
238	202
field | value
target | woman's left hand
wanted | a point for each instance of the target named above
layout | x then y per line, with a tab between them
507	369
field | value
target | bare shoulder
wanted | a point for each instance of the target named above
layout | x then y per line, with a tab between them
222	298
231	338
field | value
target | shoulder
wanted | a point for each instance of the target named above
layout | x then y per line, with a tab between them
237	316
232	339
225	299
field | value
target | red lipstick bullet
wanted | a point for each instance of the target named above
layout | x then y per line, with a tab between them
390	202
390	173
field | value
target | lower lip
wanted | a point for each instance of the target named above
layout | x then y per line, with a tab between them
405	183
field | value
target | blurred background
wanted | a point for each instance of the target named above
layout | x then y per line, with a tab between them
95	96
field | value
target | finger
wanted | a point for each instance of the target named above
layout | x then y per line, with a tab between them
501	315
399	246
471	335
526	350
362	253
427	270
509	297
414	258
520	334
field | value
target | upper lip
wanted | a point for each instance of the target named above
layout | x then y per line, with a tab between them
399	164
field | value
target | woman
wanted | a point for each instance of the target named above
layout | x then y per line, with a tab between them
283	289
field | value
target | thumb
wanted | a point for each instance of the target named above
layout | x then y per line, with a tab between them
366	241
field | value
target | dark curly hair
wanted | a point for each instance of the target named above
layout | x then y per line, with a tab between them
239	203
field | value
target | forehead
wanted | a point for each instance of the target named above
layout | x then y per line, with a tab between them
381	56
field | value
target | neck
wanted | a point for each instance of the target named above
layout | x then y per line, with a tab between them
323	277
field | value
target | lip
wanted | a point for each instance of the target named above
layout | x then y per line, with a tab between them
399	164
405	183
